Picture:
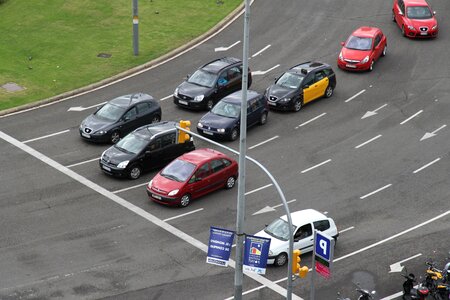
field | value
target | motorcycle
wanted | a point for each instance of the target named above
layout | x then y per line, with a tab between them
364	294
410	292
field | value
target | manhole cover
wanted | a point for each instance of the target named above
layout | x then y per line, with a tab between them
104	55
12	87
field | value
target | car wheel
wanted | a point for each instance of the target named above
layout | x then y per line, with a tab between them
185	200
298	105
393	17
115	136
231	181
209	104
156	119
234	134
371	66
263	119
281	259
329	91
384	51
135	172
403	30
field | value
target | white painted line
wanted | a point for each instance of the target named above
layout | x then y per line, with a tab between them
264	72
372	112
261	51
427	165
414	115
46	136
226	48
371	140
318	165
182	215
290	201
262	143
165	98
138	211
129	188
83	162
346	229
354	96
313	119
394	296
376	191
258	189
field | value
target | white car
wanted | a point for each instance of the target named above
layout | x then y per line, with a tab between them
304	222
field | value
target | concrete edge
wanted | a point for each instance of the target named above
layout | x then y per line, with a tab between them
149	64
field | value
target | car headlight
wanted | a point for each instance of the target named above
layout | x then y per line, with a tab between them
199	98
100	132
340	56
285	100
150	184
366	59
270	253
221	130
123	164
101	157
200	125
411	27
173	193
434	27
175	93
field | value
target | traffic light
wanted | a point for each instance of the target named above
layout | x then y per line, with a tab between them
303	271
296	261
183	136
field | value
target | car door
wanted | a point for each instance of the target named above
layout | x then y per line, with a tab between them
169	147
317	88
129	120
144	113
219	174
198	184
153	155
303	238
253	112
308	87
377	47
399	13
223	86
234	78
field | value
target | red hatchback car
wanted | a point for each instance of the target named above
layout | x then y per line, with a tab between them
193	175
415	18
362	49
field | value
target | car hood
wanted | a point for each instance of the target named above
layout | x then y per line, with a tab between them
276	245
354	54
425	22
95	123
192	90
280	92
115	156
165	185
212	120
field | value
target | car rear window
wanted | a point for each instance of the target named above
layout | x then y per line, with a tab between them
322	225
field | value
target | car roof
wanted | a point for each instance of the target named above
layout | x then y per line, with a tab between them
236	97
217	65
306	67
302	217
415	2
199	156
366	31
128	100
152	130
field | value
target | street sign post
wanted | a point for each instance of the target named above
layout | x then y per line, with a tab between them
256	252
322	257
219	246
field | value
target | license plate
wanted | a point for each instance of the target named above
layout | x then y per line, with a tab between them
106	168
350	66
182	102
156	196
208	132
88	136
272	103
424	33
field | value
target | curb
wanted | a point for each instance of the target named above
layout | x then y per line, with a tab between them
149	64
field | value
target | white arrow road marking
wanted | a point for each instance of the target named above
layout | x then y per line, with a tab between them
81	108
414	115
46	136
271	208
264	72
376	191
353	97
226	48
431	134
397	267
373	112
427	165
261	51
366	142
315	118
318	165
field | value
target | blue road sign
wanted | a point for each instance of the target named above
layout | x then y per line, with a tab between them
323	246
256	252
219	247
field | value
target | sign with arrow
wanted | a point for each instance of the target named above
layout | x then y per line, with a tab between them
81	108
264	72
373	112
226	48
271	208
431	134
397	267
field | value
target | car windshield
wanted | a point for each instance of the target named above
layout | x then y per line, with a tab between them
418	12
359	43
178	170
290	81
110	112
225	109
131	143
203	78
279	229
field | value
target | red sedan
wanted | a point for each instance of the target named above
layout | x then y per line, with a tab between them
362	49
415	18
193	175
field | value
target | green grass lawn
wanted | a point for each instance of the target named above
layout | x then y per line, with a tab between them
51	46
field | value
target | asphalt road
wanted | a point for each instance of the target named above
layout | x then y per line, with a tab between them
71	232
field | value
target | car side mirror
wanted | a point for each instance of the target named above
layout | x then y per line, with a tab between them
126	119
306	86
342	43
400	13
434	13
148	153
187	76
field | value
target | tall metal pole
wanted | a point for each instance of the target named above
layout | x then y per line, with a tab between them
240	215
135	28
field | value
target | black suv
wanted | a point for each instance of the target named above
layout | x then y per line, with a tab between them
210	83
301	84
145	148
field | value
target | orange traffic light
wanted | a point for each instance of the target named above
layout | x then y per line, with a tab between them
303	271
183	136
296	261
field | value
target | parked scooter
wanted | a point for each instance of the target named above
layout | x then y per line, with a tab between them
410	292
364	294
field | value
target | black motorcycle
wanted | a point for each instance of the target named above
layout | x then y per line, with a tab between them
364	294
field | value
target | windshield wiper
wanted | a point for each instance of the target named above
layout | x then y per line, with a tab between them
171	177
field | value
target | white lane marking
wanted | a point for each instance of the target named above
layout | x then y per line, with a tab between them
318	165
137	210
258	189
427	165
397	267
182	215
81	108
83	162
165	98
264	72
366	142
313	119
346	229
376	191
46	136
262	143
261	51
354	96
271	208
414	115
394	296
431	134
218	49
372	112
129	188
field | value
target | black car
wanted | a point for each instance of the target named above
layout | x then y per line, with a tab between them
210	83
224	118
120	116
301	84
144	149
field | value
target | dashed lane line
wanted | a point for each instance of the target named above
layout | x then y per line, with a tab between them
46	136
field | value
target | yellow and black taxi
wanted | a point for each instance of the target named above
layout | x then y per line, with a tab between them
301	84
